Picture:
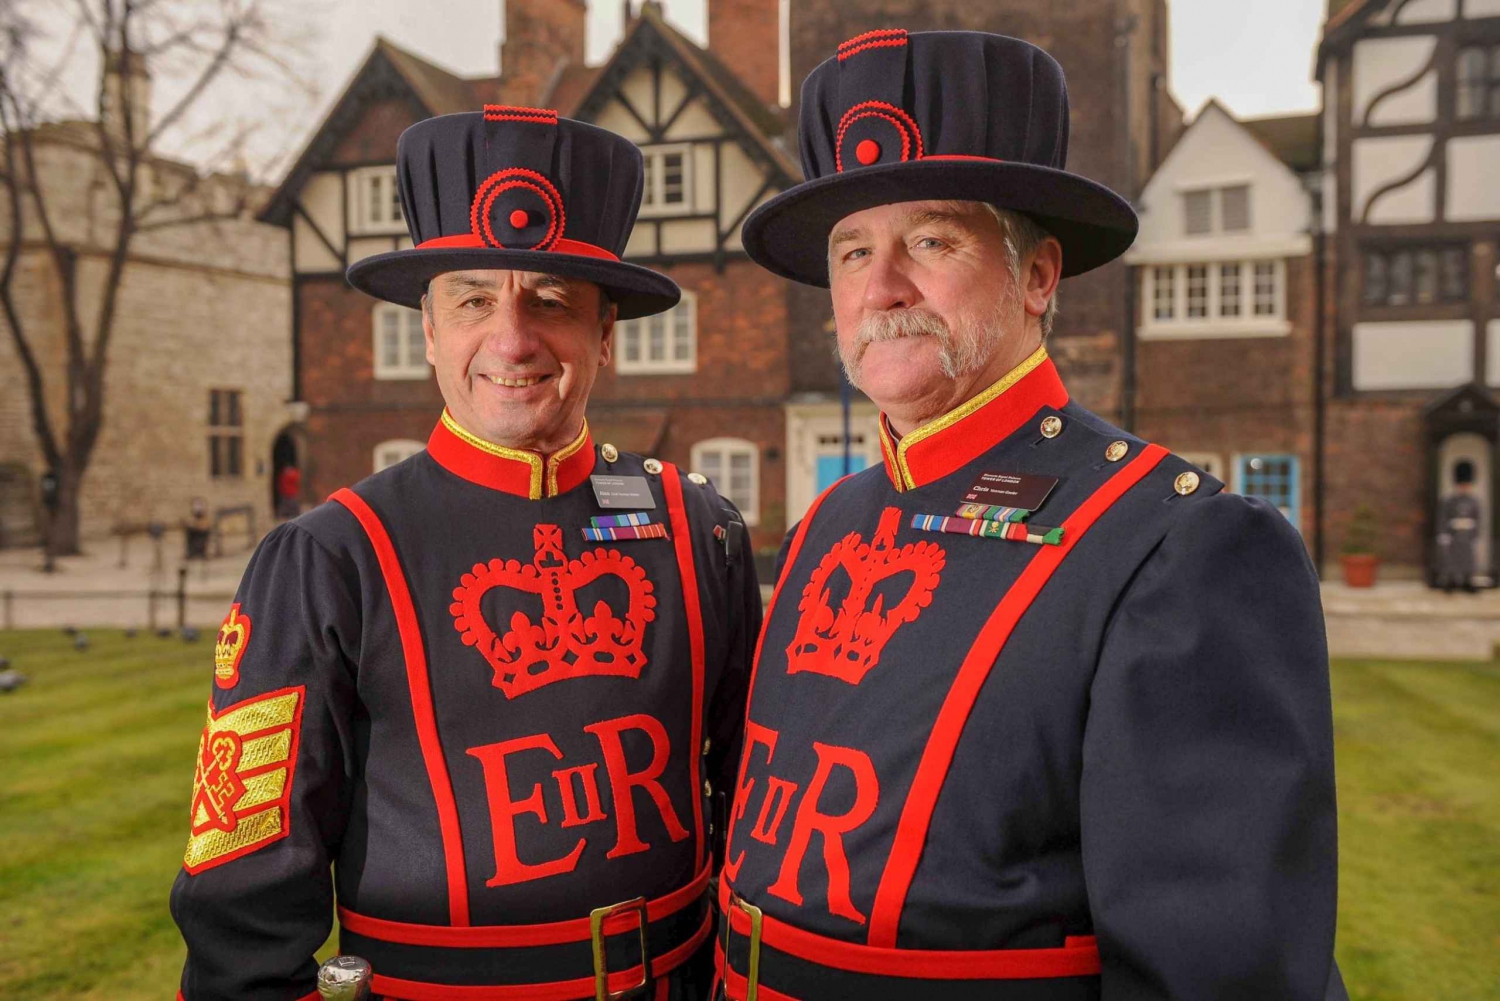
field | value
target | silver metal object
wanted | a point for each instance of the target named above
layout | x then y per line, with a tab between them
345	978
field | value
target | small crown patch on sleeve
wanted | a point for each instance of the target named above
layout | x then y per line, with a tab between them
229	647
242	784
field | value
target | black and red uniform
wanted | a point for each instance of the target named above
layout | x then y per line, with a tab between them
436	704
985	768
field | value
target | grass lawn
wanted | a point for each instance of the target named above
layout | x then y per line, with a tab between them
96	755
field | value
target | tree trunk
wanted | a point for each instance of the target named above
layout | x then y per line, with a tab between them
62	523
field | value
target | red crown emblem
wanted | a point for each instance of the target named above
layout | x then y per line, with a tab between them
846	644
565	644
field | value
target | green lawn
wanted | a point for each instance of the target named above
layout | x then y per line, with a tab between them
96	770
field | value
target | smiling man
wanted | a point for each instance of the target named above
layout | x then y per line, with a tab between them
1040	712
483	698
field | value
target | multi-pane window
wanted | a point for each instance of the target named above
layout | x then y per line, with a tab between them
733	465
1216	210
668	180
375	201
1416	276
1478	91
1273	478
388	453
1197	291
1163	296
666	342
226	434
1215	297
400	346
1229	290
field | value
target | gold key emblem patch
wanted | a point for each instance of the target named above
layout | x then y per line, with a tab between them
242	785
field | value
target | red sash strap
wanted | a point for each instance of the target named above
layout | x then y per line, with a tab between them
421	701
682	541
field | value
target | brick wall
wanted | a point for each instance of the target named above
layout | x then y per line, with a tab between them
745	35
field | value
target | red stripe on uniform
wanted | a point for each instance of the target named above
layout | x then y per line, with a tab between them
786	569
932	770
421	701
560	990
682	541
513	936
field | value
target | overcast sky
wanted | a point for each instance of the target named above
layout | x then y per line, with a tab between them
1256	57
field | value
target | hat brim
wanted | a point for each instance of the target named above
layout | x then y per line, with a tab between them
401	276
788	235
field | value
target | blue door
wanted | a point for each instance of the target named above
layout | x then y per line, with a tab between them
831	467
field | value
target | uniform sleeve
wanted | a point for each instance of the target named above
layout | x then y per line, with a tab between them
1207	805
254	899
726	719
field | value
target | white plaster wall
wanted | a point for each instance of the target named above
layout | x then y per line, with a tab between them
672	92
687	236
703	177
695	122
322	200
1481	8
1473	178
1424	354
1379	161
361	248
1427	11
310	252
741	178
1216	151
616	119
1381	62
642	240
637	90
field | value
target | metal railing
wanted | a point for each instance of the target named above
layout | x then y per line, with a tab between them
154	603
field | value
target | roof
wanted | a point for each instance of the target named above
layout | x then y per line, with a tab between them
569	87
1292	138
441	92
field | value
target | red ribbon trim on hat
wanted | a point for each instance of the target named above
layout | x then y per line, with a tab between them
516	113
466	241
879	39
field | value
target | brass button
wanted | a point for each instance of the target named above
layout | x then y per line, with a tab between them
1051	427
1186	483
698	478
653	466
706	744
1116	451
608	452
708	790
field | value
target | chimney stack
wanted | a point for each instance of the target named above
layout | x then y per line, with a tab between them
126	78
541	36
746	36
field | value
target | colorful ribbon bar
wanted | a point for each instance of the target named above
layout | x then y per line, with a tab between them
987	529
620	520
625	532
989	512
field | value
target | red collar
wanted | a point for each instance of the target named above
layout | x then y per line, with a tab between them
960	436
513	470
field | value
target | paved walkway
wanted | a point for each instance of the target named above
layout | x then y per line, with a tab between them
1400	619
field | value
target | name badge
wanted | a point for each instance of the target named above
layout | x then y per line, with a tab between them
631	492
1017	490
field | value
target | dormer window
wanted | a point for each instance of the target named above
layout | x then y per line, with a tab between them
1478	92
375	202
668	188
1216	210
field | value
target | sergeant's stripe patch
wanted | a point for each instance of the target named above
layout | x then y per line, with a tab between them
242	786
1015	531
625	532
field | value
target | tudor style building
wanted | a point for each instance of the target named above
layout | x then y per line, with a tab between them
1411	206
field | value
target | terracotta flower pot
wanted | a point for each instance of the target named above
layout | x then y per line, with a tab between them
1359	569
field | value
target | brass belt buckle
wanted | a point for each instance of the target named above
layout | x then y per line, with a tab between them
752	981
601	965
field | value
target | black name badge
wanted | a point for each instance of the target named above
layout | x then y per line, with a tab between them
1011	490
629	492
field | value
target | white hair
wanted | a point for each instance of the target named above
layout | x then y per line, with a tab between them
1022	235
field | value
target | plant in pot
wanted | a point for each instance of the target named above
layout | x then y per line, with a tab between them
1358	554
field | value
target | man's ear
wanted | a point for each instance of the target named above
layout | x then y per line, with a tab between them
1043	272
427	332
607	333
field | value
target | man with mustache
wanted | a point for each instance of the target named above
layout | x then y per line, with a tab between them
494	686
1039	711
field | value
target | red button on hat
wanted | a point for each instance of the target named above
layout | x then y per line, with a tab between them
518	219
867	152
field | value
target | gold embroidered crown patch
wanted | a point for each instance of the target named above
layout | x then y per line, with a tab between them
229	647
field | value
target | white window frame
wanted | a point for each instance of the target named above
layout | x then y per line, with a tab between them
1247	324
407	368
361	223
651	201
750	509
637	329
408	447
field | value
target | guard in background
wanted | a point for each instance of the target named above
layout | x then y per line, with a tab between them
1039	712
483	698
1459	518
